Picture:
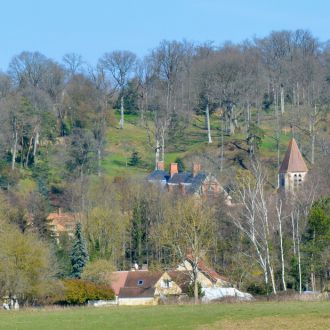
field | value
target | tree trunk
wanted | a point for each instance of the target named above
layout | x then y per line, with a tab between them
313	135
282	100
279	217
271	270
222	147
28	153
157	153
207	112
277	131
293	234
230	119
298	252
313	149
196	290
121	122
35	144
14	150
298	99
163	145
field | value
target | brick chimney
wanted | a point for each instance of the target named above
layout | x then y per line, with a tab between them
174	169
160	165
196	168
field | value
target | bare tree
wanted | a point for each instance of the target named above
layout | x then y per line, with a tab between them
73	63
279	214
187	230
28	69
253	219
120	65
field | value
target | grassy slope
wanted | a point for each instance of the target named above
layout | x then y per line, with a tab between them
121	143
284	315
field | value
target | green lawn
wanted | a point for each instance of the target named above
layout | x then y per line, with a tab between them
271	315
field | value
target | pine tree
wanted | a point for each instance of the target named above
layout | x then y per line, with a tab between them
79	254
135	159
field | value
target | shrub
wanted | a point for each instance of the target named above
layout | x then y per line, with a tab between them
78	292
135	159
191	290
257	289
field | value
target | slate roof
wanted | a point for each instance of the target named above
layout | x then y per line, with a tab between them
192	183
158	175
196	182
293	160
207	271
181	177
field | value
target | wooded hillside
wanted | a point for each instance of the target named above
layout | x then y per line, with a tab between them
83	138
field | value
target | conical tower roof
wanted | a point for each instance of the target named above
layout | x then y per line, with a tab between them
293	160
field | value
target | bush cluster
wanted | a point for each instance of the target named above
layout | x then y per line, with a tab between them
77	292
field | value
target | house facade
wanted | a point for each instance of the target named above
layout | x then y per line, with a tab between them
206	276
62	223
196	182
142	287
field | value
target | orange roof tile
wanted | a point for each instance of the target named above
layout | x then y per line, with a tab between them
63	221
209	272
293	160
118	280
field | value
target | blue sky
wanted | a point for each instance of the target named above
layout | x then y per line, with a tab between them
92	27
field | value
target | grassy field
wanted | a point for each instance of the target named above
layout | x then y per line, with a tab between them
267	315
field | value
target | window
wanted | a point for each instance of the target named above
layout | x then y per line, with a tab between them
165	284
295	180
140	282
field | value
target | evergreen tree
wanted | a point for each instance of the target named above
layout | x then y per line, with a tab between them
79	254
181	167
135	159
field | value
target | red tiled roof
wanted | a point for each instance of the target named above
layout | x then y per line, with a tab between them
293	160
149	279
63	221
136	292
209	272
118	280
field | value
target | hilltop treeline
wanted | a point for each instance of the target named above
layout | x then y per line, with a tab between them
70	103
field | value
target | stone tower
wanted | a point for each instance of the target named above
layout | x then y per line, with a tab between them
293	169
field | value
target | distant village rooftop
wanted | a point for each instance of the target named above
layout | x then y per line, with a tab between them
195	182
